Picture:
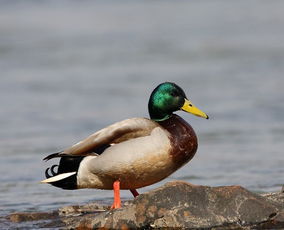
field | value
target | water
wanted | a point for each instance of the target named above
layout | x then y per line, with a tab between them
71	68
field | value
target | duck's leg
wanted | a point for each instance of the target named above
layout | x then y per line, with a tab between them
116	190
134	192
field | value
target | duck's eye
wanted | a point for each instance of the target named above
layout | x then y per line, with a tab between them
174	94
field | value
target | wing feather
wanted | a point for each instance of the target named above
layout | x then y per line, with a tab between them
115	133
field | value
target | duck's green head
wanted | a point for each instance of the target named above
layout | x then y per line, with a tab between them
168	98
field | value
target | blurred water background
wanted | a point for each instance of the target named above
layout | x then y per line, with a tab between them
69	68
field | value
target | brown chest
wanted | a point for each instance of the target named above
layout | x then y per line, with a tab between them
183	140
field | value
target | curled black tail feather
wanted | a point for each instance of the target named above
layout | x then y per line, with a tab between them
66	164
53	173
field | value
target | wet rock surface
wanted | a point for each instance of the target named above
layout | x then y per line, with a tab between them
176	204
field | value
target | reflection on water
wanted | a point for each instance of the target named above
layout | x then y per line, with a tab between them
69	68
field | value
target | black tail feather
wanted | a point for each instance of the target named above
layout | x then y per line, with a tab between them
68	183
66	164
47	174
53	155
99	150
51	169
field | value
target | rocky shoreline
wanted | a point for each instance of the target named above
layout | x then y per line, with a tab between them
174	205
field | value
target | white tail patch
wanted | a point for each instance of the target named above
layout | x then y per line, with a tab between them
58	177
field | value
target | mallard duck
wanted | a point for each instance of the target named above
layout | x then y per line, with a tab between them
132	153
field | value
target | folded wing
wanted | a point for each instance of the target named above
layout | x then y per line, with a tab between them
115	133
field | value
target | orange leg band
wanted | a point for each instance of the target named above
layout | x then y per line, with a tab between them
116	190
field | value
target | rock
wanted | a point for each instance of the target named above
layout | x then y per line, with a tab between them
82	209
64	216
183	205
24	216
180	205
276	198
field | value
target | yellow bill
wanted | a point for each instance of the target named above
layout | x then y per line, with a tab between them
190	108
